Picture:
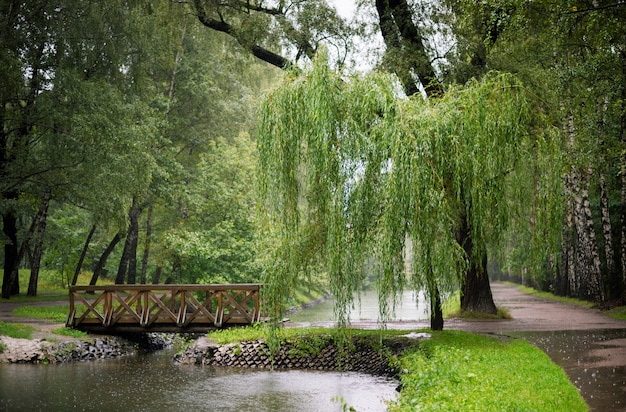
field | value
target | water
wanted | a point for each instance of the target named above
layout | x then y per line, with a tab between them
411	306
154	383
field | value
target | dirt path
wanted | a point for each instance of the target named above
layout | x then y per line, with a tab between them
532	314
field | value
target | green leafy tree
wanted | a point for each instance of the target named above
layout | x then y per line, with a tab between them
572	57
351	172
67	112
215	243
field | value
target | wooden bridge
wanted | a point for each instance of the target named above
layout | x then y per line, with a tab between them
162	308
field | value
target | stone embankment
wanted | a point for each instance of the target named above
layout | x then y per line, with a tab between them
318	354
13	350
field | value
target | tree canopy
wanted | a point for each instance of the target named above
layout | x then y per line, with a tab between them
352	174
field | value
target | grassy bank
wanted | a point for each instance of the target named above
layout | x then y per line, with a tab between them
467	372
459	371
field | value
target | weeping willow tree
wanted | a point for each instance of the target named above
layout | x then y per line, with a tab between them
352	174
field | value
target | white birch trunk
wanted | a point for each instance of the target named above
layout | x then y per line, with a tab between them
588	257
606	227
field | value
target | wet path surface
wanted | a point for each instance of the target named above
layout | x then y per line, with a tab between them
588	345
593	360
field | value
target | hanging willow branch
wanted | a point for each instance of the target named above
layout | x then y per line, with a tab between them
352	174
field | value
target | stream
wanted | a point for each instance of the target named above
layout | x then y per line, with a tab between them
153	382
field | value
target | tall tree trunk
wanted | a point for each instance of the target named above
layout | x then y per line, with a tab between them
605	215
42	219
623	176
476	292
146	249
157	275
403	40
14	271
103	259
436	311
405	46
588	258
10	287
128	262
83	253
568	274
607	228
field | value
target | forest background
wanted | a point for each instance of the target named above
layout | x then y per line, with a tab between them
129	129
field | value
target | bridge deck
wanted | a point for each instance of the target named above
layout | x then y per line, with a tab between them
162	308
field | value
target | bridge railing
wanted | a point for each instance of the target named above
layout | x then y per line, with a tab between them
162	307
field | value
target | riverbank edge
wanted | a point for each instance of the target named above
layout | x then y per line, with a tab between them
41	351
315	353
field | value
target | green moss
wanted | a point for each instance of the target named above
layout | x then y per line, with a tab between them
310	345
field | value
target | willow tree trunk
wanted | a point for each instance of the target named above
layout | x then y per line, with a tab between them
436	312
403	38
476	292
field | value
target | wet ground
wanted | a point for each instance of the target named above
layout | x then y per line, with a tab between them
588	345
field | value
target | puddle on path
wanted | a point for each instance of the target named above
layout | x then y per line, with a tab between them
594	360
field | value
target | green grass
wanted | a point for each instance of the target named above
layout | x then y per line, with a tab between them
260	331
16	330
55	313
460	371
51	285
618	312
466	372
74	333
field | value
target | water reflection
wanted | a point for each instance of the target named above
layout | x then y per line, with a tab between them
154	383
411	306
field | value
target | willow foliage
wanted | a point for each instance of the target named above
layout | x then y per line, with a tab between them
351	174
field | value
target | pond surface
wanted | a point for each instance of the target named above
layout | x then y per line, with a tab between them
154	383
